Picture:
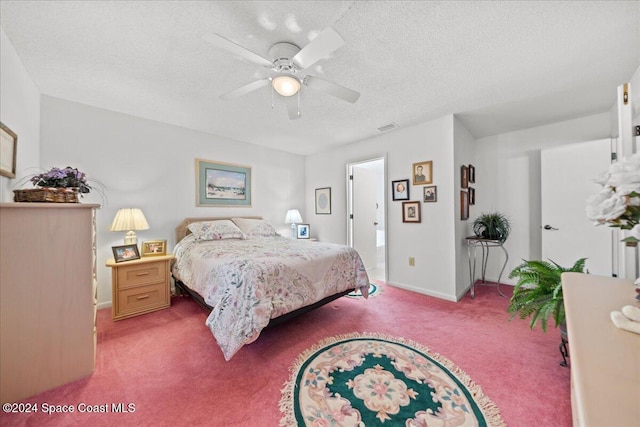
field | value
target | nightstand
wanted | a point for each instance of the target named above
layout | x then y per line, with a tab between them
140	286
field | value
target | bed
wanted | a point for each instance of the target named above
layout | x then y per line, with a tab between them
250	277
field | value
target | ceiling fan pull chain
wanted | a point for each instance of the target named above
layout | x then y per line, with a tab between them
298	103
272	104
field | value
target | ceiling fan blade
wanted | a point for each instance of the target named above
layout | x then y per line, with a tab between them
218	40
293	107
243	90
331	88
326	42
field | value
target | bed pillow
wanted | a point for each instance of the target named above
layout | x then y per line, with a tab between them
215	230
255	227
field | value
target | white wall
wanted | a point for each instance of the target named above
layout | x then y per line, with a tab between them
150	165
508	180
432	242
464	154
635	97
20	112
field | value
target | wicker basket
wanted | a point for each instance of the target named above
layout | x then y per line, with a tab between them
45	194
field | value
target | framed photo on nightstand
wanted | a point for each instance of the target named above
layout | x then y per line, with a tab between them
302	231
125	253
154	248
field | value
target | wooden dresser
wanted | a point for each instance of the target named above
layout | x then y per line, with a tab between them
47	296
605	360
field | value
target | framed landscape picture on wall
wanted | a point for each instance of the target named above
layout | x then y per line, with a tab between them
222	184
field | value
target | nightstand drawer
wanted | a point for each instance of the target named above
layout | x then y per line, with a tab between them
142	298
140	274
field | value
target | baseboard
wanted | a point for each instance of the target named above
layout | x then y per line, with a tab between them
440	295
102	305
503	280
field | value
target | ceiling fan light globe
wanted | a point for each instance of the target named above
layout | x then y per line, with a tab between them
286	85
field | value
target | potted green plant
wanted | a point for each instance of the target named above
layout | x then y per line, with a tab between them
494	225
538	292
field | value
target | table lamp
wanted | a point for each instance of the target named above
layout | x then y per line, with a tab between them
129	220
293	217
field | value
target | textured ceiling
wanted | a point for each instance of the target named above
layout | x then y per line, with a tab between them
500	66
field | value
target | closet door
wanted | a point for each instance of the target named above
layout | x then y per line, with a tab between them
567	174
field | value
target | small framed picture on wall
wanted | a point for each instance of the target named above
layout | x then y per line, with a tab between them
400	189
464	205
410	211
422	173
464	176
472	174
8	151
323	201
430	193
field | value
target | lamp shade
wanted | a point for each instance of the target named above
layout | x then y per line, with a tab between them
286	85
293	217
128	219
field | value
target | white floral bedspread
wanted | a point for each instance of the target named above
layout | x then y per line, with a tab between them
248	282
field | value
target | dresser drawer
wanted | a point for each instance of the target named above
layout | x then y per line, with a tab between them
142	298
140	274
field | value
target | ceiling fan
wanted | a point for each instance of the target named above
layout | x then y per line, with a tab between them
287	63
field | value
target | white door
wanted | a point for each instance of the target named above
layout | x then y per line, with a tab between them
567	174
365	215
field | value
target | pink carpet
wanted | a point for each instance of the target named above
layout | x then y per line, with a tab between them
168	365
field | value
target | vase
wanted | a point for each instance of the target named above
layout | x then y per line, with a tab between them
631	260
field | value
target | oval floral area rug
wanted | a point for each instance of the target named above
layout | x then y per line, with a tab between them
375	380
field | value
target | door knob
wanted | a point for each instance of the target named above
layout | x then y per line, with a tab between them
375	223
548	227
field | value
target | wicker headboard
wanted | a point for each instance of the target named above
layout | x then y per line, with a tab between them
182	231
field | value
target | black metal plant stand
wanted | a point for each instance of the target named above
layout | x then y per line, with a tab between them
564	340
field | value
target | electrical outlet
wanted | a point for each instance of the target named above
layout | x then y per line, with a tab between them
412	262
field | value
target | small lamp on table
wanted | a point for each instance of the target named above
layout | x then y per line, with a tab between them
129	220
293	217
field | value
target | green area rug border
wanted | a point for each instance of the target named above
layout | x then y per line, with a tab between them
489	410
374	291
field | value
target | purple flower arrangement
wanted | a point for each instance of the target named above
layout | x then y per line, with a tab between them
62	178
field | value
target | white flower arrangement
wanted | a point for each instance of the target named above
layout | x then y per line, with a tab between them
618	203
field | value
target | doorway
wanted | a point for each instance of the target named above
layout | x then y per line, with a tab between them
366	216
